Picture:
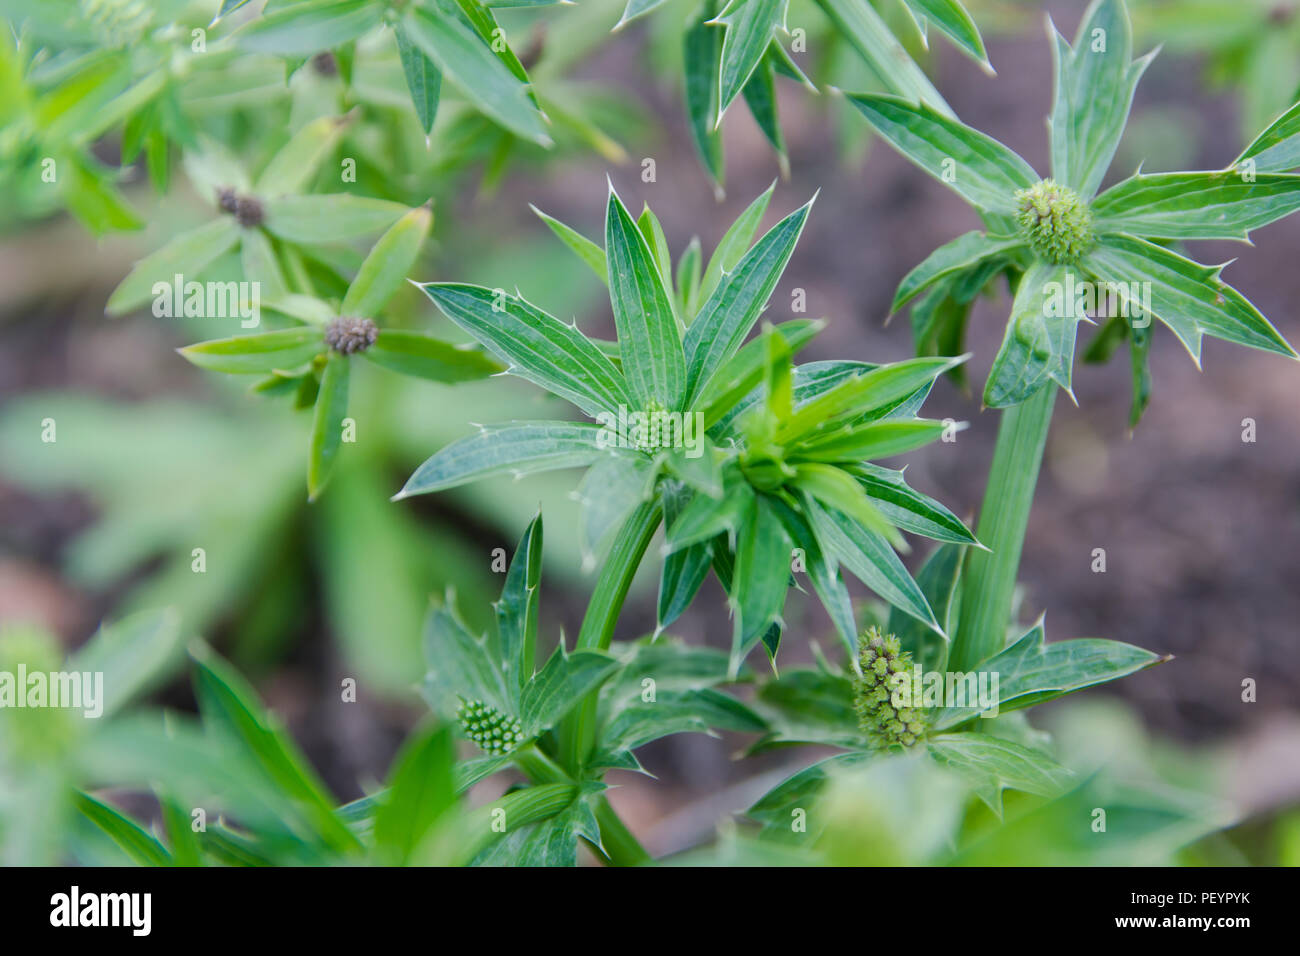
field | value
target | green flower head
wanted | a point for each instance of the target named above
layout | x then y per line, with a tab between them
1055	222
1113	247
496	732
882	722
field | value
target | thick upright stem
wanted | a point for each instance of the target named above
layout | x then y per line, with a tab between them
616	577
576	734
620	847
989	582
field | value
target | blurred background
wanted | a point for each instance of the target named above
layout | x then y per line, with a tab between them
155	458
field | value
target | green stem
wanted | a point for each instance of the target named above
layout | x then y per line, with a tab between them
577	733
616	577
620	846
539	767
989	583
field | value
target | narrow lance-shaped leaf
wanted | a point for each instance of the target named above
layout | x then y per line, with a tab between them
423	79
187	255
94	200
1139	370
423	356
229	706
447	38
701	52
735	241
750	27
420	790
870	559
298	160
634	9
516	611
387	264
138	844
647	331
336	217
909	508
824	572
684	569
835	489
306	28
734	305
950	17
761	577
518	447
741	373
863	27
1094	92
652	230
689	276
1031	671
866	391
264	352
586	250
1185	293
982	170
131	654
536	346
257	257
1218	205
871	440
965	252
1277	149
760	97
327	423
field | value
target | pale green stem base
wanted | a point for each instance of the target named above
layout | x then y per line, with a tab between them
989	580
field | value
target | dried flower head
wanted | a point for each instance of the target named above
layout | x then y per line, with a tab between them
349	333
495	732
325	64
248	211
1055	222
883	723
227	201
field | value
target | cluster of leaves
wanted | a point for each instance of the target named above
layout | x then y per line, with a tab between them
734	49
1125	247
781	458
87	79
72	71
838	809
262	804
456	39
311	360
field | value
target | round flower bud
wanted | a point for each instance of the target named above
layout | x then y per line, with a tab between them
495	732
349	334
1055	222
